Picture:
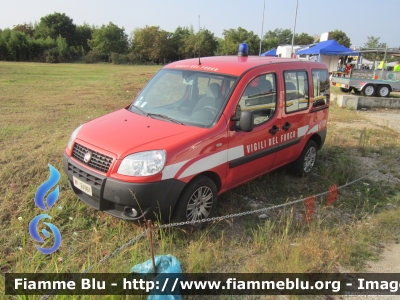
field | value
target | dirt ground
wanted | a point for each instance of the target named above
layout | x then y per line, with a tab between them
383	117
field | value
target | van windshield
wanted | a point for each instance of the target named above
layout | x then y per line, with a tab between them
184	97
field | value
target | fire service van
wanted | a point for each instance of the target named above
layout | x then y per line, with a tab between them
197	129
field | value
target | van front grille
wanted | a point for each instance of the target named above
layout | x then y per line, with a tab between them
98	161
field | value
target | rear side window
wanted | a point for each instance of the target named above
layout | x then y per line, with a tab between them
260	97
321	87
296	91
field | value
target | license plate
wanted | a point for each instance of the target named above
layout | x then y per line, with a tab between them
340	85
84	187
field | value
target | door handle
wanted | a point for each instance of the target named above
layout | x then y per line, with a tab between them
286	126
274	129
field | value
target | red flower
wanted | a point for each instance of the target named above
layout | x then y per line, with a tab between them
310	206
331	197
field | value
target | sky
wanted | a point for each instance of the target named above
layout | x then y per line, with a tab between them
357	18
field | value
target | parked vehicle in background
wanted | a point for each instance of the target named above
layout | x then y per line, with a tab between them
199	128
366	87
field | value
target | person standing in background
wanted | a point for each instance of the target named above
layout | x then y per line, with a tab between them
397	67
348	69
382	65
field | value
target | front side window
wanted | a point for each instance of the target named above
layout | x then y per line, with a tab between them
185	97
296	91
260	97
321	87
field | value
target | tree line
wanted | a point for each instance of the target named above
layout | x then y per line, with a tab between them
55	38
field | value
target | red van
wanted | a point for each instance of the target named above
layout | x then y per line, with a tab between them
197	129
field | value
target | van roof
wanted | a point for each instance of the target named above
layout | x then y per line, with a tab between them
231	65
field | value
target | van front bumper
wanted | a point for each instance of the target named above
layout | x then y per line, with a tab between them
154	200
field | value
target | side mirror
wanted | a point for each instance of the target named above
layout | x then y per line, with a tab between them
246	121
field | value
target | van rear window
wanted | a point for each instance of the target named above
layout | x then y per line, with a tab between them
296	91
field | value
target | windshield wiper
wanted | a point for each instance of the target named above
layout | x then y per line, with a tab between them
141	111
164	117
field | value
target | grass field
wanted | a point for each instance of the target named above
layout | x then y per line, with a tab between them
40	106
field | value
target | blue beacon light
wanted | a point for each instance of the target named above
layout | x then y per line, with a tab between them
243	50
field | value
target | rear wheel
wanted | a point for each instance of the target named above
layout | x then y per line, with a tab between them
306	162
383	91
198	201
368	90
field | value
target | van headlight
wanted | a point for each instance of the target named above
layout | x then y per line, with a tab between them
73	136
143	163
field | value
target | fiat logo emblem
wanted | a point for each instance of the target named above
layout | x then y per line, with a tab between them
87	157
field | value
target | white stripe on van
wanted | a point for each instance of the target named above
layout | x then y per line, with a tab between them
302	131
171	170
314	129
235	153
206	163
203	164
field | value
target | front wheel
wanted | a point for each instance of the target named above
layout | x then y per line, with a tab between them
306	162
368	90
198	201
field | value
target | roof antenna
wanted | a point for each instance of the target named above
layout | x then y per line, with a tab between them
199	40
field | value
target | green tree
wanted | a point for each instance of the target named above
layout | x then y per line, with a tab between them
178	39
340	37
62	46
37	48
83	35
143	42
25	28
207	43
203	41
18	46
108	39
278	37
282	36
303	39
233	37
54	25
373	42
4	37
152	43
162	46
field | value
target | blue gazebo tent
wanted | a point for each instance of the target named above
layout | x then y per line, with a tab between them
327	52
330	47
271	52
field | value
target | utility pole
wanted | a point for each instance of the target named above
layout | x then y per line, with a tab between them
294	28
262	29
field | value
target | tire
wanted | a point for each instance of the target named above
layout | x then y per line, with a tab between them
368	90
198	200
383	91
344	90
306	162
